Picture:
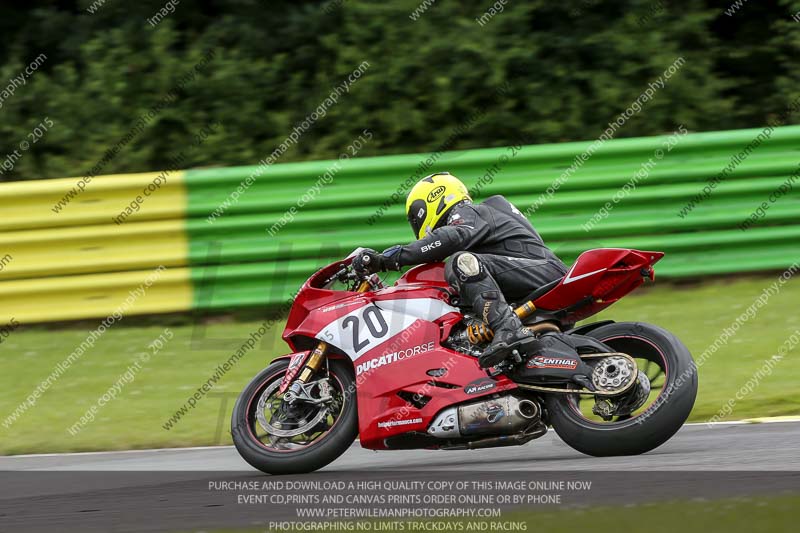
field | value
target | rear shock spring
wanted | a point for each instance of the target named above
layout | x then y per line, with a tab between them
478	333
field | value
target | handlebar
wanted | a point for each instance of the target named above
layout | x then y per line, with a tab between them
346	273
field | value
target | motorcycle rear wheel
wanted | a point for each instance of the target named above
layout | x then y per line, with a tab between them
655	424
262	450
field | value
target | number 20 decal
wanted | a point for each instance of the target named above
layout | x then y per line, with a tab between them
376	324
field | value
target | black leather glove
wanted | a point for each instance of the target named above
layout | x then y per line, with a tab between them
391	258
368	261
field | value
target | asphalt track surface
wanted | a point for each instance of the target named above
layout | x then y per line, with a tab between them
168	490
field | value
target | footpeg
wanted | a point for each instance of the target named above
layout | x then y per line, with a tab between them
516	352
527	347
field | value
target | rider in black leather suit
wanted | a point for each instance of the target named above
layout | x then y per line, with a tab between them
495	255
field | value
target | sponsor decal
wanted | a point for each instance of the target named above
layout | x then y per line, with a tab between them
393	357
359	301
480	385
435	194
541	361
431	246
296	360
494	413
294	367
392	423
491	413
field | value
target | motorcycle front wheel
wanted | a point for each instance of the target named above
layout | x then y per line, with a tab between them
277	438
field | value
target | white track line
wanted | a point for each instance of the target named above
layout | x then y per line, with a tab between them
747	421
149	450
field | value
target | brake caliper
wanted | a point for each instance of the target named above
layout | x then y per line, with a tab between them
616	373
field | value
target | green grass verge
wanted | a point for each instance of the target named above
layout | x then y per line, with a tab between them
696	314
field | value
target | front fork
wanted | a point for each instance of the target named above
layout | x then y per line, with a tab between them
314	362
317	357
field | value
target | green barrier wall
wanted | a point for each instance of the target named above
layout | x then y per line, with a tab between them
78	264
237	262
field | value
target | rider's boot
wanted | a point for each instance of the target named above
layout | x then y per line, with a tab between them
475	285
509	332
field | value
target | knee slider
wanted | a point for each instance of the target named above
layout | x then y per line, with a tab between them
467	267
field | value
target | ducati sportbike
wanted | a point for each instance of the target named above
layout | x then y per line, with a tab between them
397	366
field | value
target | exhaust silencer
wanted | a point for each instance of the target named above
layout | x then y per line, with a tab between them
506	415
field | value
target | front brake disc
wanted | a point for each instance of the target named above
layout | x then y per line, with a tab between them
276	431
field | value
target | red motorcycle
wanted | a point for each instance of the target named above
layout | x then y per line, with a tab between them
398	367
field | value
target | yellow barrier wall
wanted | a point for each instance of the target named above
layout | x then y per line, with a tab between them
78	262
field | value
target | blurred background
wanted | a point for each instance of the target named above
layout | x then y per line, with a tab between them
174	170
570	67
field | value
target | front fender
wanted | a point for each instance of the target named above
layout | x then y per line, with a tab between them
296	362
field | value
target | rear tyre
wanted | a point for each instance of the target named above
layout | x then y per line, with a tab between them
650	428
323	443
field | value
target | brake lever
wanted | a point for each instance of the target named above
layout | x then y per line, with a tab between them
340	276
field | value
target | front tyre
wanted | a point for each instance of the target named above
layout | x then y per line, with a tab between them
303	439
668	364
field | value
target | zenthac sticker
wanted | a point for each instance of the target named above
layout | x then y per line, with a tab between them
480	385
541	361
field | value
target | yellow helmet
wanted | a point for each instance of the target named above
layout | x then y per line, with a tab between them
430	199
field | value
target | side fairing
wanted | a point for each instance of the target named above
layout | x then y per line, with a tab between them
404	376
